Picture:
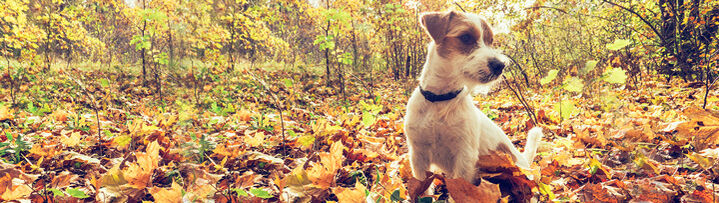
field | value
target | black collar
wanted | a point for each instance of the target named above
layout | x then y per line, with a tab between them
442	97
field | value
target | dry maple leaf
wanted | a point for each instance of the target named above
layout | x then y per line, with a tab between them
138	174
6	113
323	174
247	179
14	183
63	179
167	195
354	195
72	140
255	140
703	128
14	188
202	183
599	193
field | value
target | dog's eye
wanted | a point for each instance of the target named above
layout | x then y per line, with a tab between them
467	39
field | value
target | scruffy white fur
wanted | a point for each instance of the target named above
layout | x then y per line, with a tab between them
452	134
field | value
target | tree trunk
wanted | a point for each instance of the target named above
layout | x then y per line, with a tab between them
169	43
232	43
327	56
142	51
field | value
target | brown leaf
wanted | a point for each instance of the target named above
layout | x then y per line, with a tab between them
599	193
14	183
201	183
63	179
417	188
247	179
462	191
703	128
655	189
498	167
16	190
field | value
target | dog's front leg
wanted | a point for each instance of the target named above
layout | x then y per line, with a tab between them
419	159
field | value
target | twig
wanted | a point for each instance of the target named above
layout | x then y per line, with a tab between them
460	7
521	99
521	70
277	106
365	85
94	104
661	37
708	88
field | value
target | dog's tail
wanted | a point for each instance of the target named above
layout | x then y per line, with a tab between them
533	137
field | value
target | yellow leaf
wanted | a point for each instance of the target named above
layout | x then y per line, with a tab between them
122	141
72	140
255	141
704	162
113	177
297	178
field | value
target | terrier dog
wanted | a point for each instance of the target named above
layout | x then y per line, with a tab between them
444	129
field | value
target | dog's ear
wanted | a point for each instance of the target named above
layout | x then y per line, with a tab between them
487	34
437	24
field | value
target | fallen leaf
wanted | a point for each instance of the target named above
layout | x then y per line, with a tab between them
462	191
167	195
354	195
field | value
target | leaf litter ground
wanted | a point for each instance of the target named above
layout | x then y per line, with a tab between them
220	138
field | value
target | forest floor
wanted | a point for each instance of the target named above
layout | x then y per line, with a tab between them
222	139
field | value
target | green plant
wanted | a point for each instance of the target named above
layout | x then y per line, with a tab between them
14	147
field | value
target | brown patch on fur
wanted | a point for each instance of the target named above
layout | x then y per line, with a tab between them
487	34
440	25
437	24
502	147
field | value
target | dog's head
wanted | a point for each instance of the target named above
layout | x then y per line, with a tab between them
463	43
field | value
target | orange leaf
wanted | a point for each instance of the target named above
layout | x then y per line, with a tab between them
163	195
6	113
462	191
322	174
355	195
138	174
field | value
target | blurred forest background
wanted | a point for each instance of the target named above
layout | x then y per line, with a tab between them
286	100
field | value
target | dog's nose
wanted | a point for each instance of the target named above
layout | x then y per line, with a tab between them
495	66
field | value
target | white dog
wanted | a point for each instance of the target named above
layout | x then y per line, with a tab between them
443	127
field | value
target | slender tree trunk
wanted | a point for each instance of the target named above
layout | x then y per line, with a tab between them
47	43
232	44
169	43
327	56
12	82
355	53
142	51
